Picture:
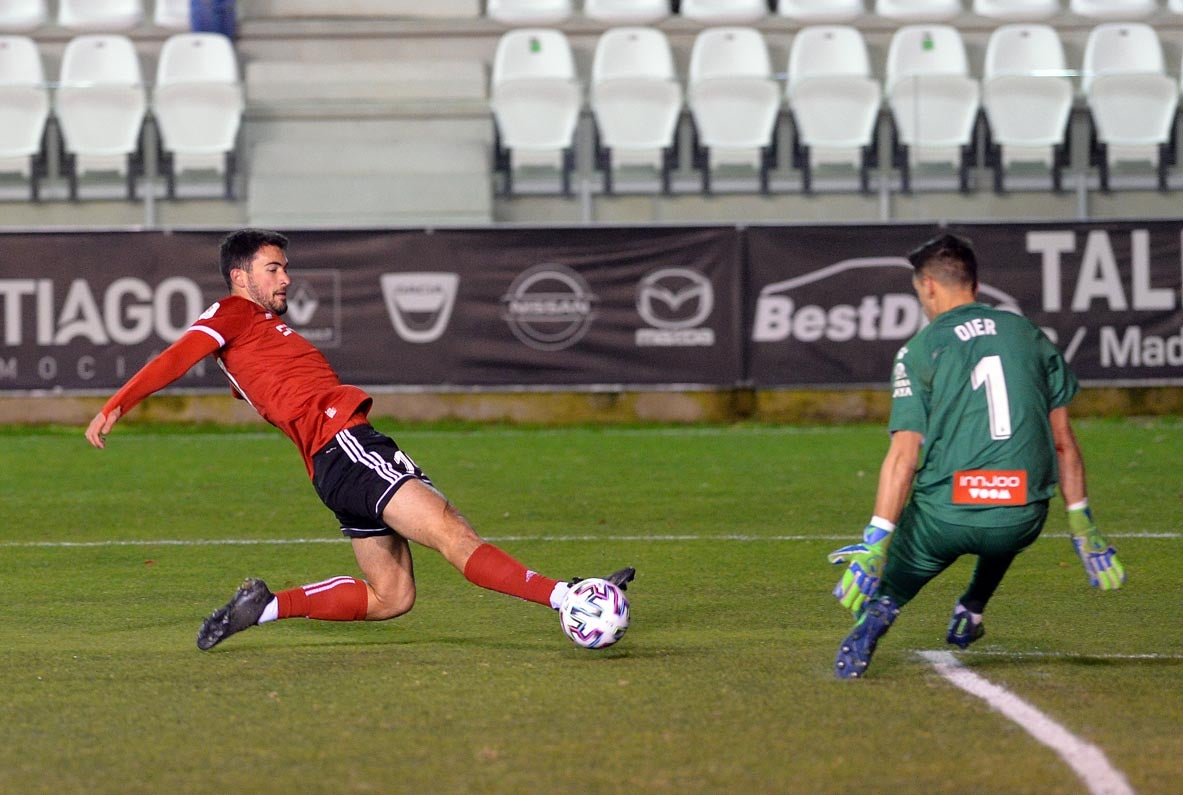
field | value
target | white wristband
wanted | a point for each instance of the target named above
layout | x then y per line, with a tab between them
882	524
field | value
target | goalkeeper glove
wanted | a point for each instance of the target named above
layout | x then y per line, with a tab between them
1099	557
865	562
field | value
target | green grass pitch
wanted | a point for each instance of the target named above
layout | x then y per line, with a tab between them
110	559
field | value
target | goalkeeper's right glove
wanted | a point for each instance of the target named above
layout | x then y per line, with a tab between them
1098	556
861	579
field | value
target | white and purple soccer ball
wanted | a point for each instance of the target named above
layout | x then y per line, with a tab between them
594	613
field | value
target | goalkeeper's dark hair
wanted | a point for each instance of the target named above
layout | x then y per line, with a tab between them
948	259
239	248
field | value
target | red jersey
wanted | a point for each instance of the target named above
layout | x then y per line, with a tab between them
282	375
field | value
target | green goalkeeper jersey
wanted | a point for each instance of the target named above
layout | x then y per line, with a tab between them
978	383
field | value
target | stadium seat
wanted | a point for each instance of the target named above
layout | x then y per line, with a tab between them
1017	10
934	102
817	12
530	12
24	111
23	16
1116	10
1175	5
734	102
833	100
1027	98
1130	98
918	10
198	104
100	107
724	12
627	12
636	102
536	100
100	16
172	14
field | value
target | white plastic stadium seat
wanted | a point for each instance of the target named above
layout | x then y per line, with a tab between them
817	12
636	101
833	99
23	16
100	107
734	102
198	103
1027	98
1116	10
1017	10
1130	98
172	14
24	110
100	16
934	102
724	12
627	12
530	12
918	10
536	100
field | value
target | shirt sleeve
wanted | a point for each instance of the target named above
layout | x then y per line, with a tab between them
909	411
172	363
1061	381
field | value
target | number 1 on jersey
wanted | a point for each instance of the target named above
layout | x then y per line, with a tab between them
988	371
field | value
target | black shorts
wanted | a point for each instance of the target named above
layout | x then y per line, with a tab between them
357	473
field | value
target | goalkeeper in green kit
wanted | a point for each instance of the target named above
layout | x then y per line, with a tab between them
983	394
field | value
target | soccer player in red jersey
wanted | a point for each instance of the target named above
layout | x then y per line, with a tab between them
381	498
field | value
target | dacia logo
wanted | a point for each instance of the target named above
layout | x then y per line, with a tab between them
420	304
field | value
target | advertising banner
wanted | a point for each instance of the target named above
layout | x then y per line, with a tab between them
84	311
1109	295
586	307
832	305
536	308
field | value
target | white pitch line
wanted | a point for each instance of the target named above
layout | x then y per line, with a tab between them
1066	655
1086	760
214	542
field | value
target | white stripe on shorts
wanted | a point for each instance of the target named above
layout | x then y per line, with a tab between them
380	466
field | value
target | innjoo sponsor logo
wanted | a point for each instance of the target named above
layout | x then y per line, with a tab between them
990	487
420	304
675	302
549	307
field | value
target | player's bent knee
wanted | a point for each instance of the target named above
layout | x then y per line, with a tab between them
391	605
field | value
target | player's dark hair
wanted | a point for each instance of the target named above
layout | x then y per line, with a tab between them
239	248
949	259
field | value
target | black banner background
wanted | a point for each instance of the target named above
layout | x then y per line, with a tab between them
591	306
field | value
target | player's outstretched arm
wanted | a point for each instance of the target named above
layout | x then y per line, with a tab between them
865	561
1096	554
172	363
101	425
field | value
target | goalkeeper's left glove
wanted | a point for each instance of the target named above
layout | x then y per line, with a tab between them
1098	556
861	579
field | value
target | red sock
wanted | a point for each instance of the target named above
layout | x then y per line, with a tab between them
338	599
491	568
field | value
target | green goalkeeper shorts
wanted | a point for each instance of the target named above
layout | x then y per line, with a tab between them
922	547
